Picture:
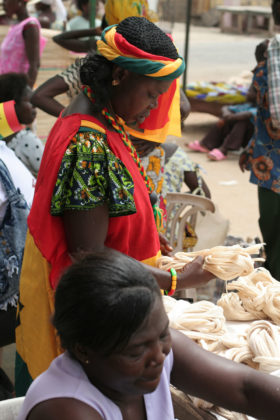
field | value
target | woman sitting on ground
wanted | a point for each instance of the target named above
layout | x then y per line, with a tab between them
121	355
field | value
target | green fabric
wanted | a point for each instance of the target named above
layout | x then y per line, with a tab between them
90	175
269	207
23	378
145	67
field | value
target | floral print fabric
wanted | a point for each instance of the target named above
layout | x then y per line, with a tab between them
90	175
264	148
174	170
153	164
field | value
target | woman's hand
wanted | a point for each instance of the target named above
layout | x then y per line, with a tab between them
165	246
193	275
243	161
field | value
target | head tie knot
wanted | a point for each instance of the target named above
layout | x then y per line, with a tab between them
114	47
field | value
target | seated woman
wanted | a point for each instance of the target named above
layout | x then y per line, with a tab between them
92	190
121	355
231	132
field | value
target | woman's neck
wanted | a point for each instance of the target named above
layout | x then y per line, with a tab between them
120	399
22	14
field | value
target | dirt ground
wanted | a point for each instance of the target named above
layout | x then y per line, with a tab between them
231	191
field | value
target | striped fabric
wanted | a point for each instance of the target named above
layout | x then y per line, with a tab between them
9	123
116	48
273	63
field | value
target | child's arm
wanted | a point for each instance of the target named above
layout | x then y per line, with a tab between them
191	180
239	116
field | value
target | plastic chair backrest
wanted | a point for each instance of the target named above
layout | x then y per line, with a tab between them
9	409
186	207
182	208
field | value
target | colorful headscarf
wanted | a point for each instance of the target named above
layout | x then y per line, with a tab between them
117	49
163	121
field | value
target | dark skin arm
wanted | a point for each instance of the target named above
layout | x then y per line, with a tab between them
235	386
225	383
87	232
63	409
70	40
243	161
32	49
228	115
43	96
251	94
185	106
190	177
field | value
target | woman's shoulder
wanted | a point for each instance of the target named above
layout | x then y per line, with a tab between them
64	409
63	391
90	140
31	21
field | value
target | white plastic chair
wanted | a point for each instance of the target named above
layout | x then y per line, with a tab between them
186	207
9	409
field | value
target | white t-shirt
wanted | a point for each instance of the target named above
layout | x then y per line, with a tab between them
21	177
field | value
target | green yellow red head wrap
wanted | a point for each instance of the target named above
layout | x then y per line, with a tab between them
117	49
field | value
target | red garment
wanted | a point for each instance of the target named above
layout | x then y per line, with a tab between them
134	235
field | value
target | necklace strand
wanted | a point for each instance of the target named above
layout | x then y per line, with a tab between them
119	128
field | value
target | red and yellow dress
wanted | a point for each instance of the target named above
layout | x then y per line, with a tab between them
84	165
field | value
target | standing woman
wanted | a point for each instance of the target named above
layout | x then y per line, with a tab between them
92	192
22	47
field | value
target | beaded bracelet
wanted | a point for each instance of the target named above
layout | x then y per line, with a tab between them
173	283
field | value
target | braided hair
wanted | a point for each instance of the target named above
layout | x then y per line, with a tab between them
96	70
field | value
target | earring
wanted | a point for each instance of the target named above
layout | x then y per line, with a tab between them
87	362
115	83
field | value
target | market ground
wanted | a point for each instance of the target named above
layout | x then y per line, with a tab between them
213	56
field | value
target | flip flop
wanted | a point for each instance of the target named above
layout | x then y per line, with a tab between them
196	146
216	154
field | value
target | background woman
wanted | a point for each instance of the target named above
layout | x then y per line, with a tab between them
23	45
91	191
121	356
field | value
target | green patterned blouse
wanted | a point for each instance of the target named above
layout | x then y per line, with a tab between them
90	175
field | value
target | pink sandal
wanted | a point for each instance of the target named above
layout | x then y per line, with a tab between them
216	154
196	146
